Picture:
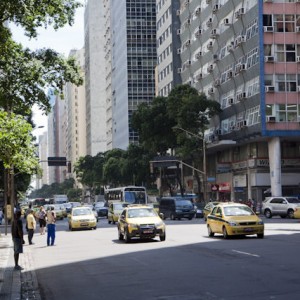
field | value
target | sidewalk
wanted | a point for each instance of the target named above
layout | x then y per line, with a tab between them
16	285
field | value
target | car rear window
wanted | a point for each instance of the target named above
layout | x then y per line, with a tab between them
293	200
238	211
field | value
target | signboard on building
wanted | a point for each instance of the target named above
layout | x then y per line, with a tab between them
224	168
224	187
240	180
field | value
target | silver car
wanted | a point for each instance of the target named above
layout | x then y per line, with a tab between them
280	206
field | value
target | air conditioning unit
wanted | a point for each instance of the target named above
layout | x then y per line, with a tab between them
187	43
198	55
197	11
269	59
271	119
298	29
210	45
230	48
241	96
239	68
198	33
229	74
210	68
230	101
270	89
179	51
297	58
243	123
199	76
179	70
217	82
226	21
188	63
188	22
239	13
239	39
298	88
211	91
178	31
178	12
214	33
215	8
209	22
268	29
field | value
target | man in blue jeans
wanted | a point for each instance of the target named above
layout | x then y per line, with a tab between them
51	219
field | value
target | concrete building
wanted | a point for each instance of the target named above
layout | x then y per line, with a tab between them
168	41
246	55
95	82
76	116
131	46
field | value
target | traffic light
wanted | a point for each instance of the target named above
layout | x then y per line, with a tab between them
69	167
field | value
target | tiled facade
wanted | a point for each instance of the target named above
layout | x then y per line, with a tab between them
245	55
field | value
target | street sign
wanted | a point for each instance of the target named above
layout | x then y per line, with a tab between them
57	161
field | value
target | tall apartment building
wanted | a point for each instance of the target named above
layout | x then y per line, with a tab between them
76	116
168	40
131	46
246	55
95	82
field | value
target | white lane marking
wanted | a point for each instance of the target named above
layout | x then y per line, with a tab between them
246	253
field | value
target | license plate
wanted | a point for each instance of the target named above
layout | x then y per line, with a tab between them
248	229
84	224
148	231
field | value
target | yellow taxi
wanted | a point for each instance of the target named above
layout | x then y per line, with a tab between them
232	219
140	221
114	211
208	208
82	217
297	213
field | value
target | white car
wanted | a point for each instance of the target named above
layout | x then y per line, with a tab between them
280	206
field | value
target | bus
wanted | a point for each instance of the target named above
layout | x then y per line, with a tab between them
128	194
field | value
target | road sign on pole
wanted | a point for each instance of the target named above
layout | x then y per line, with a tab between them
57	161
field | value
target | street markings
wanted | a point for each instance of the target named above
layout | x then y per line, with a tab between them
245	253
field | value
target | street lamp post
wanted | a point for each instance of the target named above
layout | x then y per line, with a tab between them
204	173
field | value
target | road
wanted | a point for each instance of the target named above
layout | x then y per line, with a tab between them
187	266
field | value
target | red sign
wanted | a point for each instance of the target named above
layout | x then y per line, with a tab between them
224	187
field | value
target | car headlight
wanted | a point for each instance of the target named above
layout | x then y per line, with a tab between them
260	222
159	224
232	223
133	226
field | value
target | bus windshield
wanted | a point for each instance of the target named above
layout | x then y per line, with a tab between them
135	197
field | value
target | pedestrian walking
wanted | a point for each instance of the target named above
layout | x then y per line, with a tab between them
17	236
31	225
42	220
51	219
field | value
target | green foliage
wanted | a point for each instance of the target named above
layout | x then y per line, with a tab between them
16	147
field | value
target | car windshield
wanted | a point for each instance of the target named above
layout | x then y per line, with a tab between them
183	203
99	204
293	200
141	213
82	211
135	197
238	211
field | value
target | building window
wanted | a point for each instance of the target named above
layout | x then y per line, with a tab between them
286	82
286	53
284	23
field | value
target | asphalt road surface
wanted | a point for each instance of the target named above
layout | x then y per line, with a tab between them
94	264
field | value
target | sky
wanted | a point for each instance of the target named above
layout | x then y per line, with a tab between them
63	41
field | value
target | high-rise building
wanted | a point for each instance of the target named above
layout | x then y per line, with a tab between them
131	46
76	116
168	41
95	82
245	54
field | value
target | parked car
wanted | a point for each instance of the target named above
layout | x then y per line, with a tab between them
140	221
232	219
199	207
280	206
114	211
208	208
176	208
101	209
82	217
